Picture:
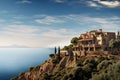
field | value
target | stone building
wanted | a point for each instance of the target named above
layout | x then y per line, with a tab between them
95	40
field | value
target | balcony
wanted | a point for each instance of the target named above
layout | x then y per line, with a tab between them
90	45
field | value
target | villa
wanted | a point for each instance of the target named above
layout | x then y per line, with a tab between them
95	40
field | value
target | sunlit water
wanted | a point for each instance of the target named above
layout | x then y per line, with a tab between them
16	60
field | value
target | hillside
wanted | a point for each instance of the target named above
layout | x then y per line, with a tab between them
68	67
88	57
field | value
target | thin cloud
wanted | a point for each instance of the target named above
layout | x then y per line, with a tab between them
49	20
93	4
2	20
59	1
4	12
110	4
106	23
33	36
59	37
19	17
18	35
41	36
78	19
24	2
39	16
101	3
17	22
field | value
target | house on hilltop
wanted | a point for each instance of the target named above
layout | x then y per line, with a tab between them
95	40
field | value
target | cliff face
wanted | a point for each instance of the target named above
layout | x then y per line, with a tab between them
48	67
69	67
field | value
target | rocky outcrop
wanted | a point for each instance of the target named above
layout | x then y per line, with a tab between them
48	67
55	67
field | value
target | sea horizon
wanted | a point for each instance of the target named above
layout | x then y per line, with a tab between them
16	60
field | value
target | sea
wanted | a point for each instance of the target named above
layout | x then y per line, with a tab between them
16	60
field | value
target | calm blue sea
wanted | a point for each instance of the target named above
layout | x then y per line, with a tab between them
16	60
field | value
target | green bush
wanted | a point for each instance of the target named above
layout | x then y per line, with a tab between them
108	72
51	55
114	43
115	53
104	64
100	59
14	78
31	68
36	68
69	47
78	74
79	62
56	59
22	73
46	76
65	77
74	40
89	60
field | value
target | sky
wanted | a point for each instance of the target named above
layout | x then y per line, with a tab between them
49	23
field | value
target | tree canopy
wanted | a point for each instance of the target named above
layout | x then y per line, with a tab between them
114	43
68	47
74	40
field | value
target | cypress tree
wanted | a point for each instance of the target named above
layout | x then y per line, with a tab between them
59	52
118	32
55	50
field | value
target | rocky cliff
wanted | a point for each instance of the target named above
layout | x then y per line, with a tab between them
69	67
49	67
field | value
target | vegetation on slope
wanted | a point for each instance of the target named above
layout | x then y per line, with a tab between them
88	69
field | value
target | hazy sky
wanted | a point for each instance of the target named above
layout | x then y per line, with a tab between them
46	23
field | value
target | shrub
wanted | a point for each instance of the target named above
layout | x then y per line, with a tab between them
69	47
104	64
115	53
22	73
65	77
70	76
79	62
36	68
109	72
31	68
51	55
100	59
56	59
46	76
100	76
88	69
14	78
89	60
78	73
74	40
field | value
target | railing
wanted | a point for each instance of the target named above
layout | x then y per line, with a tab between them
86	45
90	45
